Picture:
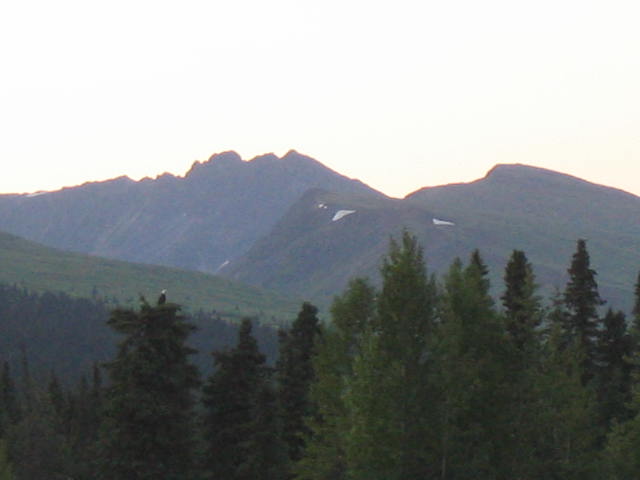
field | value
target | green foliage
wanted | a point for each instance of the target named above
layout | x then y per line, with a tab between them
416	380
582	300
622	451
470	373
567	417
325	453
240	425
295	375
523	313
614	368
6	469
388	394
148	416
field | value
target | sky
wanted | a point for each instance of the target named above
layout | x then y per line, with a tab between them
399	94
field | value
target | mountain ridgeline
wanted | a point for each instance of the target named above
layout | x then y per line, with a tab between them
200	221
292	225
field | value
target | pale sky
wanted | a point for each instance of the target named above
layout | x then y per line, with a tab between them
400	94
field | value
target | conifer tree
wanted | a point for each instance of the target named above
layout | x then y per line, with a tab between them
521	305
266	451
295	375
522	315
148	431
236	424
582	301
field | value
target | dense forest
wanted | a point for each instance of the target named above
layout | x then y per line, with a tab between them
421	378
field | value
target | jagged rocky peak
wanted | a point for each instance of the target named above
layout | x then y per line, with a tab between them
217	160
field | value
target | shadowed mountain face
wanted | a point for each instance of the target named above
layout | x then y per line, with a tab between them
212	215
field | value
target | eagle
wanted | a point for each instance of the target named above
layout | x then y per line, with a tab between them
162	298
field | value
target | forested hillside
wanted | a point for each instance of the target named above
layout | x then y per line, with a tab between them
422	377
55	332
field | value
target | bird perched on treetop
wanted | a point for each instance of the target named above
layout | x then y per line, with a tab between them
162	298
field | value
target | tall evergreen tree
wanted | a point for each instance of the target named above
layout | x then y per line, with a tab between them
148	430
582	301
236	422
522	316
295	375
521	305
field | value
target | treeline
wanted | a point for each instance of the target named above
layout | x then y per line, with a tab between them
425	377
68	335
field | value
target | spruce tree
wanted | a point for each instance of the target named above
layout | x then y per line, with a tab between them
295	375
521	305
240	431
148	431
522	315
582	300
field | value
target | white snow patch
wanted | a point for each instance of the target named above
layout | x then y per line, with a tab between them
35	194
322	205
437	221
224	264
341	214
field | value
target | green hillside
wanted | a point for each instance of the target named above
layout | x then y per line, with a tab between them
41	268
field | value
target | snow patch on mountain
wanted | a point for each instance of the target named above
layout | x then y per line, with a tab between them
437	221
224	264
341	214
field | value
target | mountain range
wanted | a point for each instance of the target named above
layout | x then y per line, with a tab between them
292	225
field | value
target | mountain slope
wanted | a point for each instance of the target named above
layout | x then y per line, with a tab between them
543	213
41	268
326	239
211	215
514	207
